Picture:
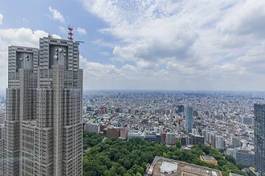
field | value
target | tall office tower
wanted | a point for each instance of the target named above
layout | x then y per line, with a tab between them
22	78
259	133
1	150
188	118
44	100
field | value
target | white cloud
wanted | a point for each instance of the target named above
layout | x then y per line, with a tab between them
1	18
188	40
56	15
246	17
81	31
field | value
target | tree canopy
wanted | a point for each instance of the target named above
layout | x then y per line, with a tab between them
114	157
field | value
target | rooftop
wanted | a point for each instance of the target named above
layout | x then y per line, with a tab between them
168	167
207	157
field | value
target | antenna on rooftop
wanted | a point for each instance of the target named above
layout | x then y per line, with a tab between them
70	33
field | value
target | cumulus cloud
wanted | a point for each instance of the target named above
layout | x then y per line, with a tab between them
184	44
245	18
81	30
216	42
56	14
1	18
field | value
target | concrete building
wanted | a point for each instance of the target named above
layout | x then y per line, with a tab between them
219	142
2	117
135	134
209	159
188	119
213	139
236	142
248	120
2	150
195	139
244	158
259	138
124	133
92	127
152	137
113	132
43	126
170	139
163	137
168	167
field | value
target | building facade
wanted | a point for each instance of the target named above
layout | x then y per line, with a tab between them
259	137
43	126
2	150
188	118
244	157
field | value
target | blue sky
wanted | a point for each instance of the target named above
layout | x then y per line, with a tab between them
35	14
150	44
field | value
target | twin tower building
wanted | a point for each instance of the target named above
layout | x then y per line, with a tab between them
43	126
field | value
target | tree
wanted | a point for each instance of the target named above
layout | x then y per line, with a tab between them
114	157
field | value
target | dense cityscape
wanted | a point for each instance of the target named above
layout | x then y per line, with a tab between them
132	88
224	120
221	120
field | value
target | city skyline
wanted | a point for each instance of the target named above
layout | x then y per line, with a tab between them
177	45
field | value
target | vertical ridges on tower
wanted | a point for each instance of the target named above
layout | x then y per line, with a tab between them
43	128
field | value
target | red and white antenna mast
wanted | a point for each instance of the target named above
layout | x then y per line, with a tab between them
70	33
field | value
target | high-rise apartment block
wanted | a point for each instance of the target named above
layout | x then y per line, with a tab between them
259	133
188	118
43	126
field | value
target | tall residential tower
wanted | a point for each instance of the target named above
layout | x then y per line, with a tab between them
43	126
259	133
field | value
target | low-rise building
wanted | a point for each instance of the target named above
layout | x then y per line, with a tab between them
124	133
170	139
195	139
113	132
168	167
92	128
244	157
209	159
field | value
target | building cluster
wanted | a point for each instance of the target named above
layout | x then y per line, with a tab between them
223	120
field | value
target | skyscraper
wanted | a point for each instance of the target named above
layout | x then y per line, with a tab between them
1	150
259	133
188	118
44	99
